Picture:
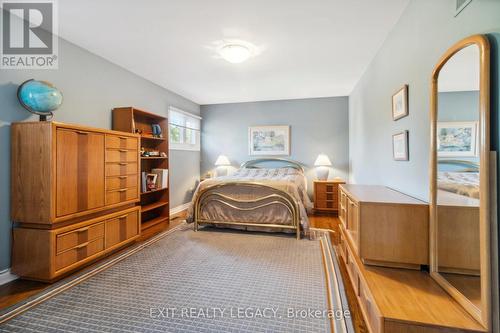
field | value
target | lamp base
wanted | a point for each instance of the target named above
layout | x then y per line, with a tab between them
322	173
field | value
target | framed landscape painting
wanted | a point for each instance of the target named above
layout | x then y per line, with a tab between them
457	139
269	140
400	103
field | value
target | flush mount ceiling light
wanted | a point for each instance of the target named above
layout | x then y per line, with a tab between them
235	53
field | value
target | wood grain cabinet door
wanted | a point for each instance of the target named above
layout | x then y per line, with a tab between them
79	171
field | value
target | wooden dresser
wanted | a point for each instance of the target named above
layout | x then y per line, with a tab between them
73	196
384	227
326	196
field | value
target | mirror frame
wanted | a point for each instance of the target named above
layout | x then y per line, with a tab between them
482	314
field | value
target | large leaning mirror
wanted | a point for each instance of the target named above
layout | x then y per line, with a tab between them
460	126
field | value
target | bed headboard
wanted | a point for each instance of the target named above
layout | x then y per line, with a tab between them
273	163
459	165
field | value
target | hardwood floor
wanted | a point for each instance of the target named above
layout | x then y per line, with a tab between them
19	290
332	223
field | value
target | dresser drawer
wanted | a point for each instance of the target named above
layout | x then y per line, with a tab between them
352	270
326	188
122	228
324	204
79	253
121	155
121	142
324	196
121	195
372	316
77	237
121	182
121	169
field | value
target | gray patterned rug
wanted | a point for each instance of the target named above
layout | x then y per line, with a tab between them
208	281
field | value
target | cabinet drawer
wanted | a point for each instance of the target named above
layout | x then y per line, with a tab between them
324	204
77	237
122	228
121	182
326	188
126	194
121	169
121	142
373	318
352	270
79	253
327	196
121	155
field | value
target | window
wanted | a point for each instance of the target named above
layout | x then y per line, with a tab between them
184	130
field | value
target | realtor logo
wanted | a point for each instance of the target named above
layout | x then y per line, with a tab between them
29	39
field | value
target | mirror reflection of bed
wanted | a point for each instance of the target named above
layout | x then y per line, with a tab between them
458	228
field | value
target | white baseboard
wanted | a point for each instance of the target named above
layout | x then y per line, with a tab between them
179	209
6	276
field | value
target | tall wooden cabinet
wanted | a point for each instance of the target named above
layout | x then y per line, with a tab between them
155	205
73	196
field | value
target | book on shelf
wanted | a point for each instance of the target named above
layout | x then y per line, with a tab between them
143	182
162	179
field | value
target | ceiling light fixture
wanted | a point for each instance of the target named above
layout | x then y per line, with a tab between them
235	53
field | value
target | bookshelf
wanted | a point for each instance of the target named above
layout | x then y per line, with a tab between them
155	205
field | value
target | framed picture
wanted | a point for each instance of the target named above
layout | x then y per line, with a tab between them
457	139
400	103
400	146
269	140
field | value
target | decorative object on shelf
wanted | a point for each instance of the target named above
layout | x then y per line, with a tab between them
269	140
222	163
156	131
151	181
162	179
163	154
143	151
137	131
400	146
400	103
39	97
322	165
457	139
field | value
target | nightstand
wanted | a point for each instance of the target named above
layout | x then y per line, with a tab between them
326	196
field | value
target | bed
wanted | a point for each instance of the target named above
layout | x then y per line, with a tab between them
458	181
262	195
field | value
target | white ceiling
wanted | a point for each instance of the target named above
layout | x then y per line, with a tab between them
309	48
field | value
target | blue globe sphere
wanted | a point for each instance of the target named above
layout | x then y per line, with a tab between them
39	97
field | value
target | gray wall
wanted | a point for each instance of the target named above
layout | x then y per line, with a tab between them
318	125
425	31
91	86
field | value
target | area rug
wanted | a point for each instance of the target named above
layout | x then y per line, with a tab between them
206	281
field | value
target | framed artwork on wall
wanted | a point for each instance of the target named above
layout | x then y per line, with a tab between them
400	146
269	140
457	139
400	103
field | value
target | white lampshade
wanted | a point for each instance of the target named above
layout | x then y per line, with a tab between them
222	160
322	160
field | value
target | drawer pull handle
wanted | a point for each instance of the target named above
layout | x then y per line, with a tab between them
82	245
122	163
123	137
122	190
82	133
82	230
123	150
122	217
123	177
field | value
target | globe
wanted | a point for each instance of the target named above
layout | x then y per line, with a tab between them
39	97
